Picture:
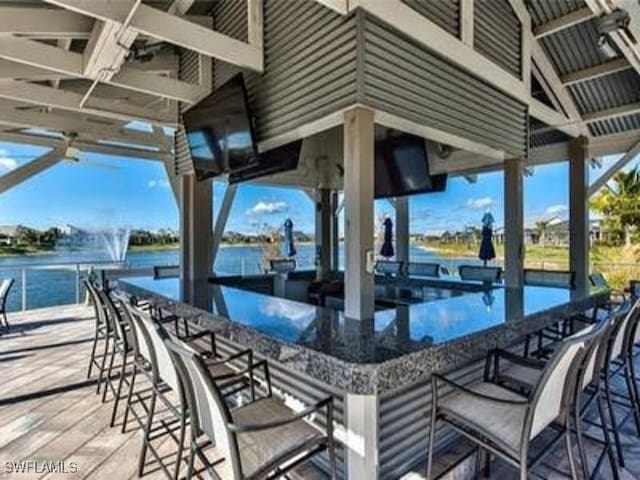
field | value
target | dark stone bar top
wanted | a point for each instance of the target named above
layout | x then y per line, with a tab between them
399	346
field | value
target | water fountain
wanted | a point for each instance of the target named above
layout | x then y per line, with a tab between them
116	242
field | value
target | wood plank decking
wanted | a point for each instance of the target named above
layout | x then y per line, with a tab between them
49	411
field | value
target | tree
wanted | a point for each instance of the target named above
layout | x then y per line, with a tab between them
618	203
541	227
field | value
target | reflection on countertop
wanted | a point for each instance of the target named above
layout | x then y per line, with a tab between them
392	333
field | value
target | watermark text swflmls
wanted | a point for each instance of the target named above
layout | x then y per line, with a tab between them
41	466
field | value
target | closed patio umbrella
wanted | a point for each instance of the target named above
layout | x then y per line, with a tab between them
487	252
288	238
387	246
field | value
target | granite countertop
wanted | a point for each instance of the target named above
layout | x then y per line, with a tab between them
398	346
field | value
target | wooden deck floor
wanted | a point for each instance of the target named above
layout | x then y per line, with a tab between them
49	412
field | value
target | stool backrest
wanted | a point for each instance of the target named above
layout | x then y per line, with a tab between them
162	364
166	271
480	274
423	269
549	278
207	407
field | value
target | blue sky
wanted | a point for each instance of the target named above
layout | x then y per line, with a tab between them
136	193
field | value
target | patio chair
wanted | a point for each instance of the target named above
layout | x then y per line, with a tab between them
423	269
549	278
5	288
152	358
504	422
166	271
262	439
523	374
477	273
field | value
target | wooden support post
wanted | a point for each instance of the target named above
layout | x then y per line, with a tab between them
402	230
196	212
579	212
358	194
513	223
323	232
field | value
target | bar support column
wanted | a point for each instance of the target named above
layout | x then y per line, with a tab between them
323	232
358	191
513	223
335	232
402	230
579	213
196	219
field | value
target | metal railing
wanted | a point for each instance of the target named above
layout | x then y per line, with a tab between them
40	285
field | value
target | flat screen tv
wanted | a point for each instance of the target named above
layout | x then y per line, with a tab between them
277	160
220	131
402	168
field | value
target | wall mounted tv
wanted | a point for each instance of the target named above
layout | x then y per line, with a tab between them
220	132
402	168
277	160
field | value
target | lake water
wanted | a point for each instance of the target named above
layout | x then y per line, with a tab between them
49	285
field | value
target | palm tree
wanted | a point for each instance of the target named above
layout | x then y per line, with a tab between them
618	203
542	226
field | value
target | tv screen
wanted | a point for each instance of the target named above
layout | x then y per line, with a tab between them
402	168
220	131
277	160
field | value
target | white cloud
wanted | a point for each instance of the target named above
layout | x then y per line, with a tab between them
557	209
6	162
158	184
267	208
480	203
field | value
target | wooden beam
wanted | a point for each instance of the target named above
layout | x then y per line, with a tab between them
466	22
340	6
513	223
43	22
579	213
79	124
563	22
607	68
28	170
16	71
40	95
38	54
221	220
555	119
172	29
608	113
602	180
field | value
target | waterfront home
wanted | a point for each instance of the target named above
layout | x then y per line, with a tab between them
367	362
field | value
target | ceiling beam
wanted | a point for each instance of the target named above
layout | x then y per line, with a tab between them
340	6
86	146
602	180
555	119
40	95
28	170
80	124
607	68
563	22
609	113
548	72
44	22
40	55
16	71
170	28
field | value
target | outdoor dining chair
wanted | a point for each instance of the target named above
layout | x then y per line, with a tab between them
5	288
262	439
504	422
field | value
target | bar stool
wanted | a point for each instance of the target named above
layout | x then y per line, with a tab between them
261	439
504	422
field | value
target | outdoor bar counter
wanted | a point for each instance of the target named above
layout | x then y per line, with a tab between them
377	370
